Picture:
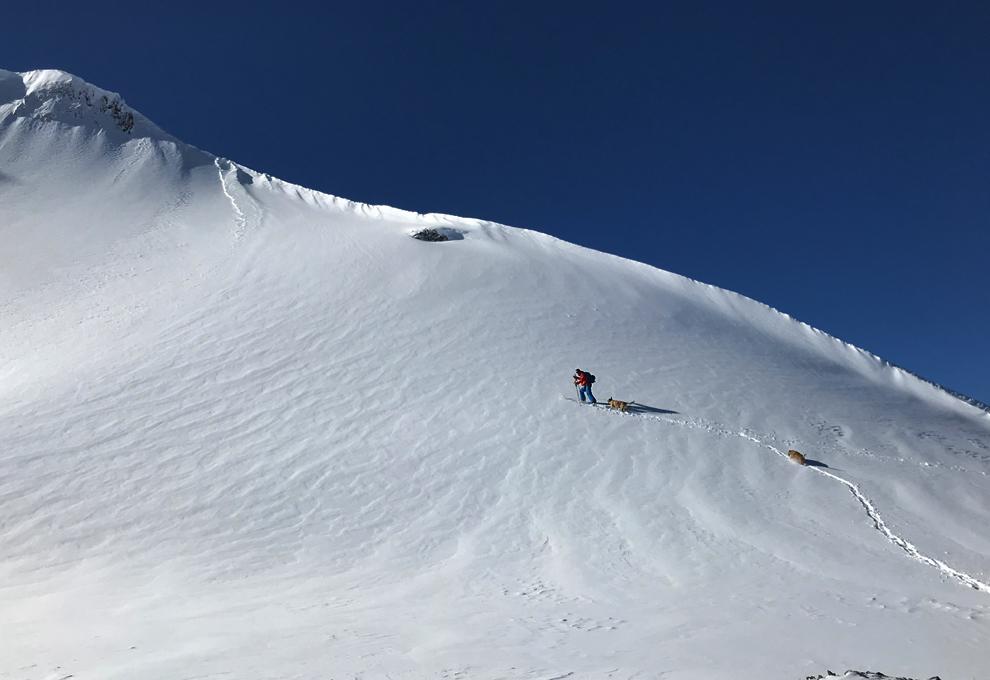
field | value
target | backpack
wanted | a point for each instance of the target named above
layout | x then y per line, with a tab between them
591	378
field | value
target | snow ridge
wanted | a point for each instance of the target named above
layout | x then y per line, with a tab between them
56	96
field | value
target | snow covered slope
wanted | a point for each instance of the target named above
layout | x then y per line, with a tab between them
248	430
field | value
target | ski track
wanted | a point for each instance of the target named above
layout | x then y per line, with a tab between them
878	522
240	218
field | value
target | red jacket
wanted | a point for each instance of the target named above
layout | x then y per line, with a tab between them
581	378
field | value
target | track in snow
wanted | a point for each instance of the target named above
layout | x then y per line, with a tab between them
878	522
228	170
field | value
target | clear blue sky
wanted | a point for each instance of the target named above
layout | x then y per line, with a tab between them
829	159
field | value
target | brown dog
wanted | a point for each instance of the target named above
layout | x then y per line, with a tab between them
618	405
797	457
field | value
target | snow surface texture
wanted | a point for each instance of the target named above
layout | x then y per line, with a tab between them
248	430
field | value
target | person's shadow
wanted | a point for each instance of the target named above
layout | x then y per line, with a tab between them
636	407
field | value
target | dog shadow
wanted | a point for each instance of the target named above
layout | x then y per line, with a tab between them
636	407
814	463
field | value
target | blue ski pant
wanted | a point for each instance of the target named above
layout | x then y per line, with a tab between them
586	394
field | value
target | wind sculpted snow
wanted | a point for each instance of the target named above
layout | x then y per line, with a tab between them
251	430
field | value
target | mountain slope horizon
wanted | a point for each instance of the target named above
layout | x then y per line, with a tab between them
46	86
256	429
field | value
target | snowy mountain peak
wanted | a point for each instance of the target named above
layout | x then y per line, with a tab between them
252	430
54	95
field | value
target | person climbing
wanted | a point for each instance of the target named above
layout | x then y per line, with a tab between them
583	381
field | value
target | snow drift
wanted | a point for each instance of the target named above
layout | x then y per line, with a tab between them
251	430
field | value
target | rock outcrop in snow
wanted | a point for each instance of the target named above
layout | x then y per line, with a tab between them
56	96
868	675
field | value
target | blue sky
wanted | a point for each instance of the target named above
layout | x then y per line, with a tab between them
829	159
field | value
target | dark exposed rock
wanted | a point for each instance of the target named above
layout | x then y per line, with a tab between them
867	675
430	235
77	100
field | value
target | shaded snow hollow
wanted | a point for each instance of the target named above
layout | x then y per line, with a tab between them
252	430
